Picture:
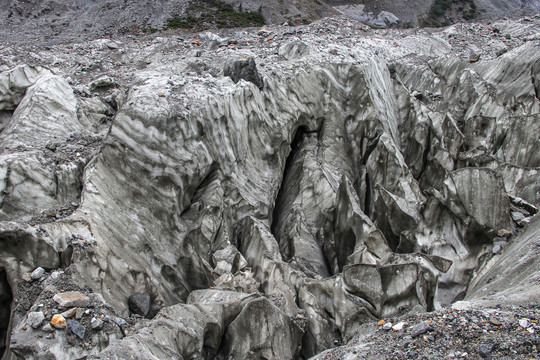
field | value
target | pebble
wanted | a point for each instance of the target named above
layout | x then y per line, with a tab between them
68	314
485	349
119	321
399	326
504	233
37	273
58	321
497	249
47	328
474	57
420	328
524	323
35	319
96	324
387	326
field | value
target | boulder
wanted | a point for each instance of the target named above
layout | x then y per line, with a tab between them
243	69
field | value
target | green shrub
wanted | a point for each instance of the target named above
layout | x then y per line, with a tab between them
211	13
435	16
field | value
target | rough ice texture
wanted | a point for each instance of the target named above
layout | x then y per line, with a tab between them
366	179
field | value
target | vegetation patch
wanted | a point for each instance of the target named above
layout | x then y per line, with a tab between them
437	15
209	14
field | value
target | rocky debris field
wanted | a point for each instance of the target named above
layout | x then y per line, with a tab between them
504	332
272	192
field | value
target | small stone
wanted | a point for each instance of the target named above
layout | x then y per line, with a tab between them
112	45
524	323
79	313
497	249
500	241
47	328
58	321
420	328
72	299
96	324
68	314
524	222
474	56
35	319
381	322
495	322
55	275
399	326
504	233
139	303
387	326
119	321
517	216
37	273
485	349
77	328
51	146
530	330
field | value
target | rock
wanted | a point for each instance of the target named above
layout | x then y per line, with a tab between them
497	249
420	328
399	326
517	216
119	321
102	82
76	327
47	328
524	323
474	56
504	233
112	45
96	324
243	69
35	319
58	321
139	303
387	326
484	350
68	314
37	273
71	299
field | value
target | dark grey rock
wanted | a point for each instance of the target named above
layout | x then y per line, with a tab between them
420	328
243	68
139	303
485	350
77	328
